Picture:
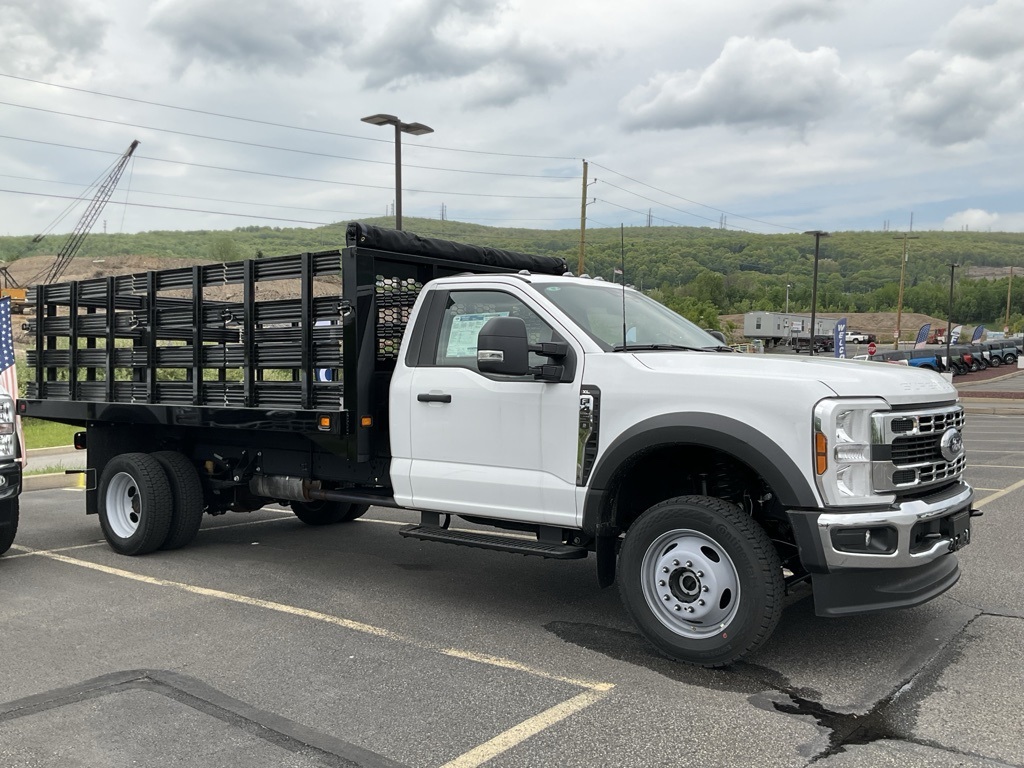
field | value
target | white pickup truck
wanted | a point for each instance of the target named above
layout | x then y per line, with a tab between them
493	387
856	337
10	471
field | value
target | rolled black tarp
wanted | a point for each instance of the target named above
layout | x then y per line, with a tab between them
367	236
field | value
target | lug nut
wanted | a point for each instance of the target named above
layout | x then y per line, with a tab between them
689	609
661	582
689	564
675	563
700	602
700	574
667	598
664	570
679	608
705	588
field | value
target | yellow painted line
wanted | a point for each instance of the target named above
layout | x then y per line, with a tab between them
357	626
528	728
496	661
26	552
999	494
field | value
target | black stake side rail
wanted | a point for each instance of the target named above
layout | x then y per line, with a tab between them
104	347
123	340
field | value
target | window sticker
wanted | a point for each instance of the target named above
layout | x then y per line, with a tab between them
465	328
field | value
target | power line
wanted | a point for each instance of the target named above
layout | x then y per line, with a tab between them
277	125
293	178
693	202
257	145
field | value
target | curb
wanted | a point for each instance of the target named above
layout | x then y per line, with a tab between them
52	481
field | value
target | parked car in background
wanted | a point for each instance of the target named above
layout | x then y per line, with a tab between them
857	337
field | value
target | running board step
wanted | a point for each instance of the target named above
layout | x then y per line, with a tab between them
490	541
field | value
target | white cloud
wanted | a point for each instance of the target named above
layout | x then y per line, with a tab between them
753	83
788	12
947	100
987	31
978	220
281	35
40	37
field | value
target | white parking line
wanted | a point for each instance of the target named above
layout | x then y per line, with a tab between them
504	741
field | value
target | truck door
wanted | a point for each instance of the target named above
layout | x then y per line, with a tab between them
494	446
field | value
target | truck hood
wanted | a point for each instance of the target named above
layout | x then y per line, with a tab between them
898	384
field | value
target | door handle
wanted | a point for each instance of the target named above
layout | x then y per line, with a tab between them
428	398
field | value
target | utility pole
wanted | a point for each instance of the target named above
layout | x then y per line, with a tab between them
818	234
583	219
903	274
949	317
1006	324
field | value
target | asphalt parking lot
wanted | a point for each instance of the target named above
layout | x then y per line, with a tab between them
270	643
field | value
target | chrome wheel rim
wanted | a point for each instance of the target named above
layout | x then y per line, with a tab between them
690	584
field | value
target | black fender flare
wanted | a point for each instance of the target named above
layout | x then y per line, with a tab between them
755	449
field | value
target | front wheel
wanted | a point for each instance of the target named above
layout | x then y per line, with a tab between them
135	504
327	512
701	580
8	523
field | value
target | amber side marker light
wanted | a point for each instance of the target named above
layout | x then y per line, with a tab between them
366	421
820	453
324	423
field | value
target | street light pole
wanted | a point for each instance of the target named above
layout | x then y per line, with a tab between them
903	272
818	234
949	316
415	129
788	286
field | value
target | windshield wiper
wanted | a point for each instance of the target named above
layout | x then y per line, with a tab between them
644	347
720	348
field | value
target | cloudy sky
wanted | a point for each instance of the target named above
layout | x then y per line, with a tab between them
768	116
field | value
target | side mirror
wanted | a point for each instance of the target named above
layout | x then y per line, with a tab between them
502	347
717	334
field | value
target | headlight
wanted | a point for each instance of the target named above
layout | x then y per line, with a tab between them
842	450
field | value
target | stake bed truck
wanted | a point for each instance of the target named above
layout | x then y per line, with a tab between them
493	386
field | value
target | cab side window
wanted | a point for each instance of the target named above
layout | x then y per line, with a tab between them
466	312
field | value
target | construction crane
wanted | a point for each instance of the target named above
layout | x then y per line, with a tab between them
73	243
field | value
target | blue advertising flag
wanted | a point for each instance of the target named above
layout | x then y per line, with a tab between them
839	338
978	333
922	336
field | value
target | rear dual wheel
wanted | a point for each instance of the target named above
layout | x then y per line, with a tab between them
149	501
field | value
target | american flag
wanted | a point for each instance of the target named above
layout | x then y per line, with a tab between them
8	371
922	336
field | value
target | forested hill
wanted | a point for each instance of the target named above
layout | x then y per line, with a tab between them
703	272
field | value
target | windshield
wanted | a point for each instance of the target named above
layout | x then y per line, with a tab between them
598	309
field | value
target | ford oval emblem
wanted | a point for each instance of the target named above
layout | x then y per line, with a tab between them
952	444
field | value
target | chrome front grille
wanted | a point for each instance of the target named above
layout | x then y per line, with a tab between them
907	449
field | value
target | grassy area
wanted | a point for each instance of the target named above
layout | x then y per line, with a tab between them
47	434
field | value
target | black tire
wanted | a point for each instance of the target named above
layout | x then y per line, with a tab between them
996	361
135	504
975	367
1010	359
186	498
327	512
689	547
8	523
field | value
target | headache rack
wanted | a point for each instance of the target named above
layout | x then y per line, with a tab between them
278	342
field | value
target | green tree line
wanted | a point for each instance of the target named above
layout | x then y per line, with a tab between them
702	272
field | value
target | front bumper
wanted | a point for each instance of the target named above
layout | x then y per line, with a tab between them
906	551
